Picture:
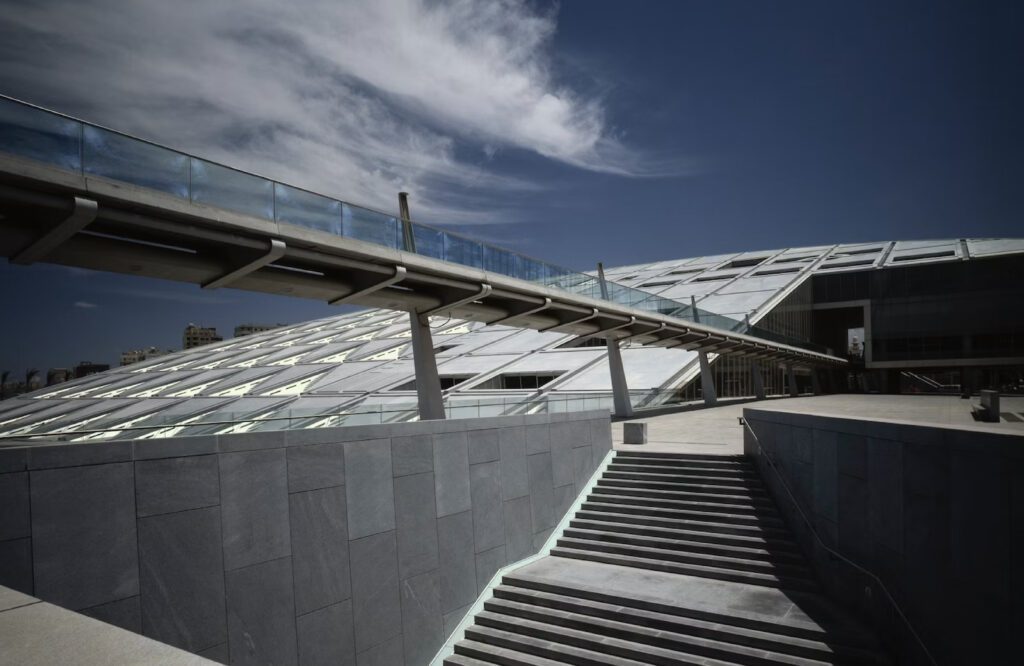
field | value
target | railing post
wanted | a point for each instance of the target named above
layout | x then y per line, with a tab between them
620	390
707	377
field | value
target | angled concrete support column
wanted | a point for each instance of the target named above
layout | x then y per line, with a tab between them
757	380
707	378
428	383
620	390
816	381
791	378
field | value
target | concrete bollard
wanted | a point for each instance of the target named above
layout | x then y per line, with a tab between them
634	433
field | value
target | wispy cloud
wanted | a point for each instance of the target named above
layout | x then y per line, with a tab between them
85	305
196	298
357	99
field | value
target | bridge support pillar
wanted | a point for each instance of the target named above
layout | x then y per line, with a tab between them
816	381
707	381
428	383
791	379
620	389
757	380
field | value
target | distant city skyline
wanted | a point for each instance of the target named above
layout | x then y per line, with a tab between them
577	133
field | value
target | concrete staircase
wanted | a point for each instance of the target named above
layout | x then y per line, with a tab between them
672	559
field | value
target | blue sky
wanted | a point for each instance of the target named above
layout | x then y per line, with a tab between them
585	131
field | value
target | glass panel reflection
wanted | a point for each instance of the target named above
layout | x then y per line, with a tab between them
462	251
123	158
429	241
369	225
220	186
38	135
306	209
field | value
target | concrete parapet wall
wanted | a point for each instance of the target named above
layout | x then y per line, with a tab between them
937	513
362	544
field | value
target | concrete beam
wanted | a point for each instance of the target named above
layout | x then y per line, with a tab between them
399	275
485	289
593	315
273	253
82	213
523	313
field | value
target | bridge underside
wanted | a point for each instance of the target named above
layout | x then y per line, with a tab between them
54	216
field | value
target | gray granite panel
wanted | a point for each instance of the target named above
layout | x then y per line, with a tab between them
483	446
88	511
564	497
600	436
452	620
315	466
538	438
174	447
417	524
181	572
458	565
422	621
412	454
388	653
368	487
852	455
252	441
325	636
261	614
78	455
488	522
13	460
218	653
376	607
582	466
319	536
487	564
176	484
16	565
542	498
451	473
124	613
514	479
825	474
518	529
254	505
14	506
885	493
562	464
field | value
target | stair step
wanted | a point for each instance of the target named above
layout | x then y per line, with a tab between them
684	514
711	506
707	627
711	457
703	571
641	491
705	645
606	512
462	660
808	632
494	654
686	545
684	486
738	474
605	649
549	651
734	561
631	459
627	528
731	482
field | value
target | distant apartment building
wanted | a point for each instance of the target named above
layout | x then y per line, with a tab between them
56	376
197	336
136	355
86	368
248	329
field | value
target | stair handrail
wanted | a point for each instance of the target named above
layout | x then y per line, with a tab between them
832	551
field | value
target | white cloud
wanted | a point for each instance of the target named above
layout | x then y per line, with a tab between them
85	305
356	99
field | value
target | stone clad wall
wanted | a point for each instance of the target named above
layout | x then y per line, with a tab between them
936	512
364	544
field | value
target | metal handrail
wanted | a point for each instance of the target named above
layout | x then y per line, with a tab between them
832	551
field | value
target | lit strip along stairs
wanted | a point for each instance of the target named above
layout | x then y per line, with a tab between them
657	515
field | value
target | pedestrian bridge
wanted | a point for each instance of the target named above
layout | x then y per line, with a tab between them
76	194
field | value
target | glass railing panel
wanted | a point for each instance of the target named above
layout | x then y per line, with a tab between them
220	186
463	251
429	241
38	135
370	226
118	157
500	261
305	209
